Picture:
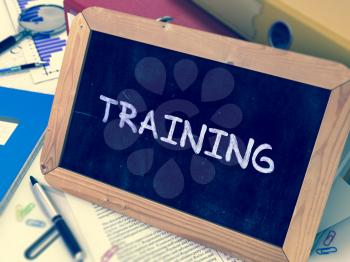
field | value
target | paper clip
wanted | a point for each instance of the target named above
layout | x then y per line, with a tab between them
329	238
35	223
22	212
326	250
109	253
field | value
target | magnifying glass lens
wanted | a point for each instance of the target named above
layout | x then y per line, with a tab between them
43	19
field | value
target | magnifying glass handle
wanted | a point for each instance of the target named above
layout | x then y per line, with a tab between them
7	43
11	40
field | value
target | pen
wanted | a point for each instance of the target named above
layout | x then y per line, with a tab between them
58	221
22	67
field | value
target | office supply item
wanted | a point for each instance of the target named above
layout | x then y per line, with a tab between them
22	212
182	11
318	28
329	238
37	20
126	120
326	250
8	58
35	223
43	242
333	244
19	68
40	47
15	56
31	112
57	220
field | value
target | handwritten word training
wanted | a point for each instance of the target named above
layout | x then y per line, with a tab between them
127	116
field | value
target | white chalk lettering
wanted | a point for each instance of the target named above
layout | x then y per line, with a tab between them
233	145
187	132
150	126
125	118
266	159
219	133
174	120
108	101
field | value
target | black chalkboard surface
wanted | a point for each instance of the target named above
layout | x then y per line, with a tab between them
227	143
238	101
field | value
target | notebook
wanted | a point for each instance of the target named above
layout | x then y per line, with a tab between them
23	119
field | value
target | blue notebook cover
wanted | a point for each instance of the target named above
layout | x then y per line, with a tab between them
31	113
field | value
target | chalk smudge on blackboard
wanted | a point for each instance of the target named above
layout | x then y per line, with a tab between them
85	114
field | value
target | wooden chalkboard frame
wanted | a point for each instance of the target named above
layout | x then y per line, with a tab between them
321	169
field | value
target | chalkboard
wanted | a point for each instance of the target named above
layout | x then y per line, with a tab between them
235	100
220	142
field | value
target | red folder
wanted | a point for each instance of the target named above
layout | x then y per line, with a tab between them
184	12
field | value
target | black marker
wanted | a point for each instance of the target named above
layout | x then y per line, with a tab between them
58	221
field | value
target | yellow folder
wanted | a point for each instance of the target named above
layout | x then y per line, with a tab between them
316	27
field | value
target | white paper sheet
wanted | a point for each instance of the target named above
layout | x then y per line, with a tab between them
6	130
130	240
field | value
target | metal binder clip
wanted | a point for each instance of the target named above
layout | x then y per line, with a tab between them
280	35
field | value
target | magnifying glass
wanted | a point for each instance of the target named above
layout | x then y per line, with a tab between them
39	19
